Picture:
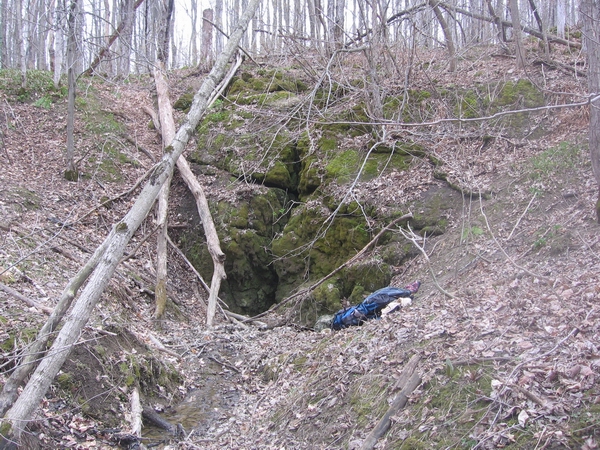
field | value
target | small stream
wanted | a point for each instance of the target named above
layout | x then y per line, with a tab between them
202	409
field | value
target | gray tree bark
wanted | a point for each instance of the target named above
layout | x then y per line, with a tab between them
207	38
447	33
16	418
71	171
516	19
167	126
58	42
590	11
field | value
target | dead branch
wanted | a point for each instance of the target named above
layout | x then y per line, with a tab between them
510	260
399	402
591	98
153	116
115	198
136	413
111	40
506	24
139	147
159	345
412	237
26	300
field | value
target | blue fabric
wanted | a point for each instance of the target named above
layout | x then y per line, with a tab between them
369	308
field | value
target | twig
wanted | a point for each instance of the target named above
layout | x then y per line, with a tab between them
521	217
411	236
224	364
487	224
530	395
162	348
118	196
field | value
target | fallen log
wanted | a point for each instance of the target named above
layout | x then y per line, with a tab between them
409	381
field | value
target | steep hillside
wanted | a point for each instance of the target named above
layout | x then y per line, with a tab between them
505	244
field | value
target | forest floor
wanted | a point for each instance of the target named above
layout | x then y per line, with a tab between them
509	360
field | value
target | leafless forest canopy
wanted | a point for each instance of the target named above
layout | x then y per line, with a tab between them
126	37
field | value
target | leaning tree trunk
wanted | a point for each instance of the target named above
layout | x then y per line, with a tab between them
447	33
590	10
16	418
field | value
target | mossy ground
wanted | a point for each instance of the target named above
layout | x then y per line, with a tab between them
99	375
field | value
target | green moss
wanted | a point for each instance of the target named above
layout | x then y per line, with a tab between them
246	228
65	381
237	87
552	163
455	403
343	237
523	94
71	175
357	295
122	227
368	400
328	296
467	106
39	87
365	277
184	102
5	428
28	199
343	166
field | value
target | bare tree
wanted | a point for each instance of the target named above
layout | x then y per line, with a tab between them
126	10
194	33
59	15
516	19
114	245
110	40
19	33
168	133
71	171
590	11
447	33
207	37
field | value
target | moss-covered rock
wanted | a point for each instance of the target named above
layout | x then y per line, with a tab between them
246	228
301	250
523	94
184	103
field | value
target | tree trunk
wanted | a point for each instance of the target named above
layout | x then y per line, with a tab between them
542	27
19	32
9	391
506	24
71	171
104	50
167	126
17	417
516	20
447	33
58	43
194	34
126	10
590	11
207	37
